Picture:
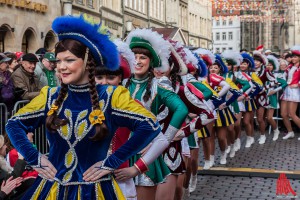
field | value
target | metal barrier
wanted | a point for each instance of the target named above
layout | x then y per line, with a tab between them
40	139
3	117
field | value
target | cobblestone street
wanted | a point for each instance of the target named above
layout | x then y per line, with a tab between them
281	156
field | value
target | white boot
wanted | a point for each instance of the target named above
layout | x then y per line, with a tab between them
289	135
212	160
193	183
262	139
223	158
276	134
186	193
232	152
228	149
237	144
206	164
248	142
252	140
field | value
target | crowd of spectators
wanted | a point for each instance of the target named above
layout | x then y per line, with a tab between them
22	75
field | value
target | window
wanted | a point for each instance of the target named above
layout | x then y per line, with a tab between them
230	36
91	3
217	36
224	22
218	11
230	22
218	23
230	11
224	11
224	36
223	49
230	48
80	2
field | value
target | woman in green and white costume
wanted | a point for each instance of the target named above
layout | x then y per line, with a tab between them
280	76
152	51
234	59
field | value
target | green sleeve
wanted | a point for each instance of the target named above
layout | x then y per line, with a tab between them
282	82
207	93
175	105
244	83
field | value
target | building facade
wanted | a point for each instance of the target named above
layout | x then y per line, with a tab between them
226	30
200	23
26	25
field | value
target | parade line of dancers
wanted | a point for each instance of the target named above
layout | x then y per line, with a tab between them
128	117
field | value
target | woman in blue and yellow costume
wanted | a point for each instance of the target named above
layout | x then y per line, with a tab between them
246	72
280	75
233	59
81	119
225	118
152	51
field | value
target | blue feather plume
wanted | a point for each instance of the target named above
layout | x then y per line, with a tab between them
103	50
219	60
248	59
202	68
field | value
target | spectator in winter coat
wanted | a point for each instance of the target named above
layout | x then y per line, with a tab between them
25	78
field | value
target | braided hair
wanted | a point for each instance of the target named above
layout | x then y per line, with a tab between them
53	122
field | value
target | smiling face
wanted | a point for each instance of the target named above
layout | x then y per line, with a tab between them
244	66
283	65
71	69
257	63
142	66
214	69
295	59
270	67
29	66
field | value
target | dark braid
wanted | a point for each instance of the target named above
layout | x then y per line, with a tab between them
128	81
52	121
101	129
147	95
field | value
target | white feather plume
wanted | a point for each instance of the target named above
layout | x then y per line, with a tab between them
258	53
126	52
232	55
295	48
273	59
206	52
160	46
190	58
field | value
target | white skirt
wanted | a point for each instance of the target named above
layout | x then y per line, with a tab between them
291	94
241	106
185	148
128	189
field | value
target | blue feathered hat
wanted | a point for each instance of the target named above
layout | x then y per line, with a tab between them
248	59
221	64
83	30
202	68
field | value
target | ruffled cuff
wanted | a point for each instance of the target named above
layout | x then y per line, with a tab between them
141	165
170	133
